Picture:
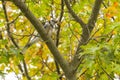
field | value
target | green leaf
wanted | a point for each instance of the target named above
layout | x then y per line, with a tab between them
111	27
3	42
51	76
54	76
14	51
4	59
2	73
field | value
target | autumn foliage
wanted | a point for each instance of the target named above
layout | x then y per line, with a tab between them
84	43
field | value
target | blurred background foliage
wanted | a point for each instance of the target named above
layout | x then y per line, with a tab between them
102	61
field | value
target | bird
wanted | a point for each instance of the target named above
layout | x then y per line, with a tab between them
49	28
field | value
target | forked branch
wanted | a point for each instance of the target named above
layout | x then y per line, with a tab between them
86	33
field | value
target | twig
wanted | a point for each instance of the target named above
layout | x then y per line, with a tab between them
73	34
58	34
104	69
14	19
83	72
29	43
94	34
106	8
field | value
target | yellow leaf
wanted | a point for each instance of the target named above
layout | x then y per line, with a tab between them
63	24
48	18
112	10
40	51
115	4
2	67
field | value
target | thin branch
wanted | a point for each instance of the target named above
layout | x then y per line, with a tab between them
73	34
59	22
106	73
74	15
58	34
26	70
25	35
20	67
62	10
30	42
83	72
7	25
8	28
13	41
104	69
1	37
14	19
106	8
94	34
111	35
44	61
104	4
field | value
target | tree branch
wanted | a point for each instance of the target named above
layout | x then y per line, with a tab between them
14	42
93	17
58	34
86	33
7	24
49	42
74	15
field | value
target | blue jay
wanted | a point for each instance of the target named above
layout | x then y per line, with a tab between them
49	28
